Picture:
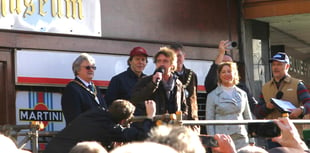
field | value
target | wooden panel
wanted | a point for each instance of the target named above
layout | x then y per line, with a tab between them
257	9
3	115
195	21
7	91
96	45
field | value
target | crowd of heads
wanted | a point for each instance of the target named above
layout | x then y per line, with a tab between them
181	138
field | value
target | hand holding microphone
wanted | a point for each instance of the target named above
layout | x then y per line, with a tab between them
158	75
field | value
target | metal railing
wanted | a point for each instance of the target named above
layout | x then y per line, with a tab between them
32	135
235	122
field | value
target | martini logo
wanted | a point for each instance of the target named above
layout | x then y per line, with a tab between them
40	113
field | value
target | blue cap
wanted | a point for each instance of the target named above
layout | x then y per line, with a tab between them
280	57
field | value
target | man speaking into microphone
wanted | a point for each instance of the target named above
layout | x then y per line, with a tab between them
163	86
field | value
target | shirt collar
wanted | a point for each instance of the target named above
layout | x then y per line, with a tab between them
287	79
133	74
181	72
84	82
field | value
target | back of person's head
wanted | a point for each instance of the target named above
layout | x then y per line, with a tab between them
121	110
6	143
8	146
180	138
227	58
143	147
88	147
251	149
284	150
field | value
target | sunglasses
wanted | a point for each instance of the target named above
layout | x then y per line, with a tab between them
279	95
90	67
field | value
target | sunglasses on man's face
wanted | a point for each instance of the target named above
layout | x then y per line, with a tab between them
90	67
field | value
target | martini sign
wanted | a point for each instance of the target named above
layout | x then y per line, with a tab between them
40	113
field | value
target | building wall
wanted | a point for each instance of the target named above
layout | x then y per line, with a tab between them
198	24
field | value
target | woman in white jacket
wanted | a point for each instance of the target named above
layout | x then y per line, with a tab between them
228	102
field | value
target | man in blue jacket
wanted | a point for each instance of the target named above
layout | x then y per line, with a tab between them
81	94
121	85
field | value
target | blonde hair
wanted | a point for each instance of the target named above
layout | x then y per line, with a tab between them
234	71
167	52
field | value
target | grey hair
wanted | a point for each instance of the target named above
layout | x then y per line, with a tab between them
88	147
78	61
181	138
251	149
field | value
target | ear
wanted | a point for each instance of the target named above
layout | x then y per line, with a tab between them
287	66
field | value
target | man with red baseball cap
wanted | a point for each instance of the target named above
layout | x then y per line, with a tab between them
120	85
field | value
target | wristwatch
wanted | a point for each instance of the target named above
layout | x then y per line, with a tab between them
303	112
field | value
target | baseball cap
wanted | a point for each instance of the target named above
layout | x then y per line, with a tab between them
280	57
138	51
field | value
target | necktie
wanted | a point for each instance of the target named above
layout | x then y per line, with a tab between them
91	88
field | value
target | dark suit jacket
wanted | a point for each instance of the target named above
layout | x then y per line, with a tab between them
145	89
76	100
190	86
95	125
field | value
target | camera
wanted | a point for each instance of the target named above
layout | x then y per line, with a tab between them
208	141
266	130
231	45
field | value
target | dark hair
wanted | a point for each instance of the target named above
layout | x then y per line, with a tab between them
176	46
228	55
130	59
121	109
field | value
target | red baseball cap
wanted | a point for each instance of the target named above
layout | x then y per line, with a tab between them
138	51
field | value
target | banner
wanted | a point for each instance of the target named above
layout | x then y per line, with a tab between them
54	68
78	17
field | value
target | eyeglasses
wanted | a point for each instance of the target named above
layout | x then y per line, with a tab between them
90	67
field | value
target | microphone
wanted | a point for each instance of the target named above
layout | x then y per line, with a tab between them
161	69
